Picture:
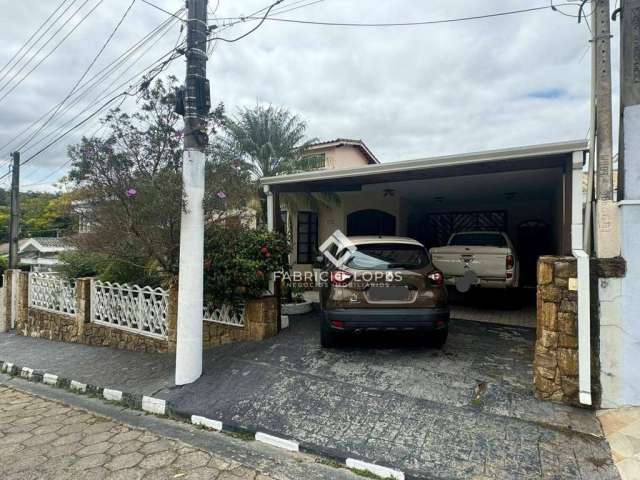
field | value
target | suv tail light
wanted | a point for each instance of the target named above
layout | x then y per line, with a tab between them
436	278
340	277
510	262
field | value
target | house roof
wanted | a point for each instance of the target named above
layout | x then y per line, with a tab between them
449	165
4	247
339	142
46	244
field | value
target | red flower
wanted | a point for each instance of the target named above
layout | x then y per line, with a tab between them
264	250
268	255
260	273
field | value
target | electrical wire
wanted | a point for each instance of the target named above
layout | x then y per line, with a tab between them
24	45
402	24
51	52
105	72
162	10
83	76
46	42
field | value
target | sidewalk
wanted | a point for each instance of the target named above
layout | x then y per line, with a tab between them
622	428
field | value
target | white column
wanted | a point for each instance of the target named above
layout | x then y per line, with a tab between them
270	209
190	283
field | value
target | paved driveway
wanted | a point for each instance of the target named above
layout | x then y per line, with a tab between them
465	411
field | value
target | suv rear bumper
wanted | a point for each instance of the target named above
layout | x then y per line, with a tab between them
383	319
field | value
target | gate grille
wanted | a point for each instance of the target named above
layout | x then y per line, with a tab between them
440	226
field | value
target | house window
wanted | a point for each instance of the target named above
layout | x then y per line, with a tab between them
315	161
307	236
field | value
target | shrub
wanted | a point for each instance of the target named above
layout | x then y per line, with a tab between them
239	262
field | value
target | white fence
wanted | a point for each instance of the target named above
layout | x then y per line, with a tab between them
142	310
52	293
226	315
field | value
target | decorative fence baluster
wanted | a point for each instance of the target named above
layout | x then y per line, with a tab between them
142	310
225	314
52	293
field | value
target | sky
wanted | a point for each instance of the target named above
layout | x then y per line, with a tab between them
407	92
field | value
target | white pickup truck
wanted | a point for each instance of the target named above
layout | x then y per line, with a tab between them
486	259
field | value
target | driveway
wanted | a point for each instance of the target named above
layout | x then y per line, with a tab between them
464	411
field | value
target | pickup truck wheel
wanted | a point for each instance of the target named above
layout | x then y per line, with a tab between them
439	338
327	337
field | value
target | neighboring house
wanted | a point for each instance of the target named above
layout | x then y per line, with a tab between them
41	253
339	153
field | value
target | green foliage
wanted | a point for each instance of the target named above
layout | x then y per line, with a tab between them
240	261
270	140
80	264
41	214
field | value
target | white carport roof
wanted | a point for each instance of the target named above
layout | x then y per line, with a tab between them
528	157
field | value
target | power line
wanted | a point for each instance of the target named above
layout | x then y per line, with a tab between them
402	24
162	10
83	76
24	45
104	73
46	42
53	50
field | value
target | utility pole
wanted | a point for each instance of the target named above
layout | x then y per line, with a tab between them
14	225
196	104
607	235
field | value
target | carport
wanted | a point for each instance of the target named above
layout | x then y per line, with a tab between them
525	191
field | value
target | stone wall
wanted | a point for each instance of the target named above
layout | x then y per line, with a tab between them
260	323
556	354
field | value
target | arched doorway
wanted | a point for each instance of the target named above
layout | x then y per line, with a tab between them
371	222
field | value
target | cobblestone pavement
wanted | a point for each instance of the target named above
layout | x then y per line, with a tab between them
464	411
41	439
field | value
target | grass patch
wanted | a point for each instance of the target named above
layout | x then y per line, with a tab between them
367	474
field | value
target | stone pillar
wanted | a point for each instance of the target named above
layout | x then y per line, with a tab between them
261	317
556	354
5	322
172	316
83	305
22	301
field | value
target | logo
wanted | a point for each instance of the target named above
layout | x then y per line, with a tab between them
344	247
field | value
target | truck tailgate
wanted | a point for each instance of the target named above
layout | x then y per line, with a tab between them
485	262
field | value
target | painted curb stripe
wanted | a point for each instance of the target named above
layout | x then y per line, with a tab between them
7	367
81	387
113	395
26	372
50	379
206	422
278	442
153	405
378	470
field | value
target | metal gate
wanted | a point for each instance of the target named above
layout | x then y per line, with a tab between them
438	227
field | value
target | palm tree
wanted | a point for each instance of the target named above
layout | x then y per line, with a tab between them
270	140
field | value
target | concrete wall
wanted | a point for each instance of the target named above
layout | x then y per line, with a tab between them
345	156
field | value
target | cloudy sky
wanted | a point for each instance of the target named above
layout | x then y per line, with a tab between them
408	92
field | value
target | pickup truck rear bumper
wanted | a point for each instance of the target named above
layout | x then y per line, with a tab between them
387	319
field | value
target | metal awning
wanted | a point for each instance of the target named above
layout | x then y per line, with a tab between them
521	158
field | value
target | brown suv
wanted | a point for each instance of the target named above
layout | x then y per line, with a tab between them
388	284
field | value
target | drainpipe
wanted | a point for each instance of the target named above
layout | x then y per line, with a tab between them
584	276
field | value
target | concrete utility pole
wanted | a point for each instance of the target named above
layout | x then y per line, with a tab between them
607	234
14	225
190	283
621	330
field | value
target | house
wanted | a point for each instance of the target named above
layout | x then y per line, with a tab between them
339	153
41	253
533	193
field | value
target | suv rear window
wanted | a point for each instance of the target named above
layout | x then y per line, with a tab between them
385	256
478	240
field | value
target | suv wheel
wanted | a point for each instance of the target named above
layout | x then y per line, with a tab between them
327	337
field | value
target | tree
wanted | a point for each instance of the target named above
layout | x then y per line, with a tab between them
271	140
131	185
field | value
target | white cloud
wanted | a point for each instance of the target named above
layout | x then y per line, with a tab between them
407	92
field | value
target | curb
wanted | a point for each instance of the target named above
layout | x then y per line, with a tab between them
160	407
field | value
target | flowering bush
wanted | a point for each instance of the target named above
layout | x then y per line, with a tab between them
239	262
